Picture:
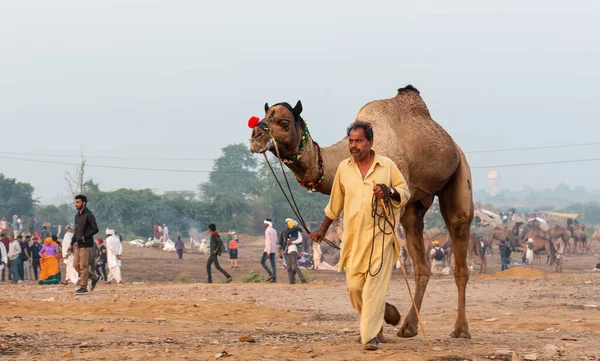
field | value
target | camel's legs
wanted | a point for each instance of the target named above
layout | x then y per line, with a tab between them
412	222
456	206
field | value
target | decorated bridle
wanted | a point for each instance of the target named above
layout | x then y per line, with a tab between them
311	186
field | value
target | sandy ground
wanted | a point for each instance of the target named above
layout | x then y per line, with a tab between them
530	311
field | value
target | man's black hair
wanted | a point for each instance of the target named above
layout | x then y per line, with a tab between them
366	126
81	197
212	227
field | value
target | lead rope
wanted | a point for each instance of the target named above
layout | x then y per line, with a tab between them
396	243
294	206
378	219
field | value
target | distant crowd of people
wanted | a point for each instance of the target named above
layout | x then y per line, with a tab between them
23	258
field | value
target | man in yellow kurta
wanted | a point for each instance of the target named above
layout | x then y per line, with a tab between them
361	255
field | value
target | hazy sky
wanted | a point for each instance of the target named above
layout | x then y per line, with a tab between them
181	78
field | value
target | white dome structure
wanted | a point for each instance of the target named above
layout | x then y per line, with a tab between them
493	179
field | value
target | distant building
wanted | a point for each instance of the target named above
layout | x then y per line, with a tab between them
188	195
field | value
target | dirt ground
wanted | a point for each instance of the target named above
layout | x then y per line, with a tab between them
532	312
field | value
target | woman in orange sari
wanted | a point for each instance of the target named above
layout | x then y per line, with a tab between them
50	263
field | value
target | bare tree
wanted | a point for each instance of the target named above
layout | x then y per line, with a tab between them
75	183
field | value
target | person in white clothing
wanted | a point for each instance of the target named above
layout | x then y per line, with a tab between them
165	235
3	257
529	253
113	257
70	274
270	250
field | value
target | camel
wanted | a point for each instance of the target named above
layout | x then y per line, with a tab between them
532	230
429	159
579	237
542	244
503	234
557	232
476	253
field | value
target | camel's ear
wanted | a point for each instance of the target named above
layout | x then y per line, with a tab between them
298	108
266	107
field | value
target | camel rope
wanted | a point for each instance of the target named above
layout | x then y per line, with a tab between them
396	246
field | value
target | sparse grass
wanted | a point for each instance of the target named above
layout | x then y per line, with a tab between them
252	277
183	278
309	275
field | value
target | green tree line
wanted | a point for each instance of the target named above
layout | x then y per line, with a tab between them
239	194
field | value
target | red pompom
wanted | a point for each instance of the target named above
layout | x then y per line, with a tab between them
253	122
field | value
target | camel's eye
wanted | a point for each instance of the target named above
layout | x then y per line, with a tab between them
284	124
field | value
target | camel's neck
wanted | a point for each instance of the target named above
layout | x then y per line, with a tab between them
307	170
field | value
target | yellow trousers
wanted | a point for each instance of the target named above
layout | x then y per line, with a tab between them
367	294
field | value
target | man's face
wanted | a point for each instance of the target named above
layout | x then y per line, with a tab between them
359	146
35	240
79	204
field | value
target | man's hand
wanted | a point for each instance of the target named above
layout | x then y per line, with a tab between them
70	249
380	191
289	242
118	256
317	236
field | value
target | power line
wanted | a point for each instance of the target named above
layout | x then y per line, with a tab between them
105	157
531	148
538	163
212	159
110	166
237	172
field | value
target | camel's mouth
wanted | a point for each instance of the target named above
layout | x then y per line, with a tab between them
260	143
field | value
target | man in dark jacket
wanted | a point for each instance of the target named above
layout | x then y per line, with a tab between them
215	252
85	229
34	251
504	255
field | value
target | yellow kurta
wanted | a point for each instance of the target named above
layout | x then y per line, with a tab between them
352	195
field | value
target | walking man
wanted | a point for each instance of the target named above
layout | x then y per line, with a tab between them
179	247
270	248
216	244
293	236
83	237
367	273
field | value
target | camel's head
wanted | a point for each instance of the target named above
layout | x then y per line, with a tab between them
282	124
